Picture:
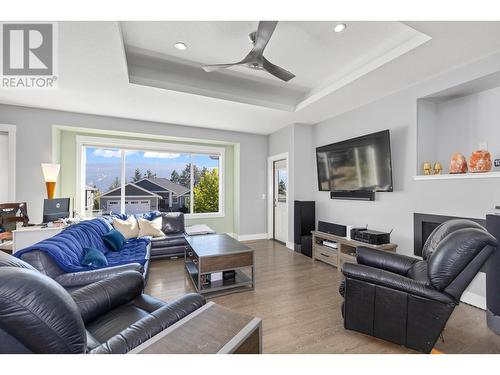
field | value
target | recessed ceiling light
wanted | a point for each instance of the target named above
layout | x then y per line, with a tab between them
180	46
340	27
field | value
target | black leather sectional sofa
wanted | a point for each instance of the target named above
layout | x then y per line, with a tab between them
37	315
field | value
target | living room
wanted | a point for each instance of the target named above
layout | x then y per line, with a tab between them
294	184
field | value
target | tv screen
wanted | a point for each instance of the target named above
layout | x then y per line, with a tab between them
362	163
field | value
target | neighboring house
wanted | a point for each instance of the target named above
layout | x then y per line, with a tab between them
146	195
174	196
137	200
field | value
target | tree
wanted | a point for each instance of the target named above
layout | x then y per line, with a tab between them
185	176
137	175
149	174
206	192
282	187
115	184
174	177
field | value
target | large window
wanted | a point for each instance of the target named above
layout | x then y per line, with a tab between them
136	177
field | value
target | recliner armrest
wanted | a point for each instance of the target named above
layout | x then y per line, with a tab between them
151	325
385	260
77	279
392	280
102	296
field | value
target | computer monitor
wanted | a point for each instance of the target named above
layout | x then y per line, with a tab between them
54	209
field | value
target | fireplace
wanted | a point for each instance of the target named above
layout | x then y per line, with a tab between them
424	224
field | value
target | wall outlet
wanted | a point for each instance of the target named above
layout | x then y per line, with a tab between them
263	196
483	146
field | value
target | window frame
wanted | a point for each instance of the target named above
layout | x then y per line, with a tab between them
139	145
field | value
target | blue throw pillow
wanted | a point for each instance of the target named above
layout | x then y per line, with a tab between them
114	240
93	258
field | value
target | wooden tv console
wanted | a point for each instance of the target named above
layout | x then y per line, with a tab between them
346	249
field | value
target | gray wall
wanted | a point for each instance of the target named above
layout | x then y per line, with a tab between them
397	112
464	123
34	146
297	140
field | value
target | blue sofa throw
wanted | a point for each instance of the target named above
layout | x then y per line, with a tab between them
66	248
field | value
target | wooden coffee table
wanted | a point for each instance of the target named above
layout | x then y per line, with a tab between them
212	329
213	254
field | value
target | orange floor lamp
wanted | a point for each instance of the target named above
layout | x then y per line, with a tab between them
50	174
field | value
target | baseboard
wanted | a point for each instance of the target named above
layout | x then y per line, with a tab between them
474	300
252	237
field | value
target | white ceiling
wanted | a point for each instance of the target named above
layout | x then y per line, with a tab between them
93	79
321	59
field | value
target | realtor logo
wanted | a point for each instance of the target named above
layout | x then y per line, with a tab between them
28	55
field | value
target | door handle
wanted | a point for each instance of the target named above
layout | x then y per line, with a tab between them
325	255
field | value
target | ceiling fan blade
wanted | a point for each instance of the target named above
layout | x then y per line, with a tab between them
264	32
277	71
212	68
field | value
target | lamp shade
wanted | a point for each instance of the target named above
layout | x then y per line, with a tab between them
50	172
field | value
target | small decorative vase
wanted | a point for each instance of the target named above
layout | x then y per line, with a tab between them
437	168
480	161
458	164
427	168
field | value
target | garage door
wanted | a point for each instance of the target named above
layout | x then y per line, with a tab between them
131	207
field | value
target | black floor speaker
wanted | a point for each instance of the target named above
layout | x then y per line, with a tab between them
304	219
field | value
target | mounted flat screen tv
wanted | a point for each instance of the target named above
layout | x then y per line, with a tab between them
362	163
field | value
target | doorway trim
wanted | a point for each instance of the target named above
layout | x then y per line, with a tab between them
11	133
270	192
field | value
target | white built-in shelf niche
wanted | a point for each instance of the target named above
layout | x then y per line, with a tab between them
460	119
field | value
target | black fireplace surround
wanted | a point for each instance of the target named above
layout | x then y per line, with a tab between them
424	224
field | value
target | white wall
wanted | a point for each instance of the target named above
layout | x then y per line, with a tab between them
34	146
397	112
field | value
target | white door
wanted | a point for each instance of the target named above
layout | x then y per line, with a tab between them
280	196
4	159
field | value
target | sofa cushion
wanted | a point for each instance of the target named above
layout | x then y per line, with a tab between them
128	228
134	250
175	239
172	222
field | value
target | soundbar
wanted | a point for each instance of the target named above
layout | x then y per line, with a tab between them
332	228
357	195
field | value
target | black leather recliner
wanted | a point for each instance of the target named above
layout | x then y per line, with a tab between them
406	300
37	315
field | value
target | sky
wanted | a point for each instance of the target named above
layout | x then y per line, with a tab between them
103	165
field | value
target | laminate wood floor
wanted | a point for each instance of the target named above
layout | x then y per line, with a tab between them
299	304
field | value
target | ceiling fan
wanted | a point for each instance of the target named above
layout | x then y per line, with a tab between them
255	58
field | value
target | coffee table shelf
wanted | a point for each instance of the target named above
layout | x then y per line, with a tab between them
216	253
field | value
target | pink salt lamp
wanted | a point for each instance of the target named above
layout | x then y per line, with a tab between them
458	164
480	161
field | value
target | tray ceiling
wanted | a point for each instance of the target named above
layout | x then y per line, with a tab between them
322	60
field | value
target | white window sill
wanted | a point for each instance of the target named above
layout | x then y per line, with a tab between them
212	215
